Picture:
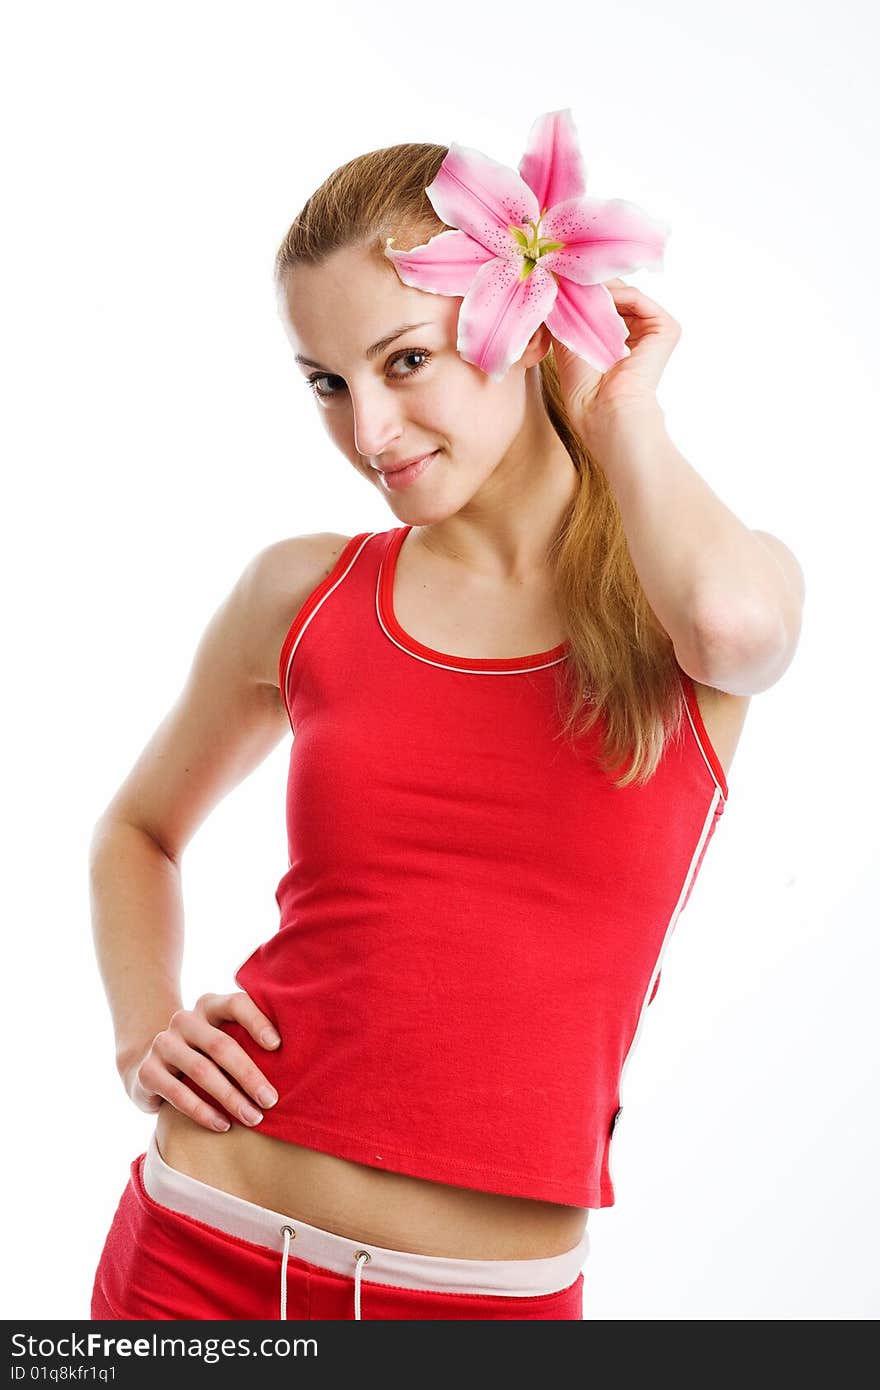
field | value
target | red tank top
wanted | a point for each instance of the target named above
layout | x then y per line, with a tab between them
473	916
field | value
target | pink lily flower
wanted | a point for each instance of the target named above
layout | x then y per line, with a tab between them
530	248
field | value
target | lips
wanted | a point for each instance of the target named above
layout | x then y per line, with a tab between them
406	463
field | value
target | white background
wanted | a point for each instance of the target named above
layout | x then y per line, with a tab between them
156	435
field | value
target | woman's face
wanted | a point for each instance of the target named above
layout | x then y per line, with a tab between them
387	397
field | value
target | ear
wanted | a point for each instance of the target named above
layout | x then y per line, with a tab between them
538	346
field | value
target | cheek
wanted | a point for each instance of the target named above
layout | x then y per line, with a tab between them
488	415
338	427
455	410
337	424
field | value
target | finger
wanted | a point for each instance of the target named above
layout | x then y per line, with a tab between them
640	304
183	1099
195	1026
214	1062
242	1008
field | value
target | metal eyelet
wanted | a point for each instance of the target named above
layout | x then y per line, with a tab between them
358	1253
290	1229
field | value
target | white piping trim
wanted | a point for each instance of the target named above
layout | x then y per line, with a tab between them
700	746
315	611
444	666
704	835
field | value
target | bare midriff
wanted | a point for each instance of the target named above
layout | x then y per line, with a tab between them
364	1203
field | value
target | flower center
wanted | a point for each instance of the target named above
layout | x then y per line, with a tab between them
532	246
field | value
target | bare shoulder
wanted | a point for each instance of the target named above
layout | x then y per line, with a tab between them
280	579
723	715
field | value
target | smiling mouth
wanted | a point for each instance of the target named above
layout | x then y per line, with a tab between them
408	463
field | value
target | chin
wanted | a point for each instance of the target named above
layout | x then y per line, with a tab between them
421	515
426	510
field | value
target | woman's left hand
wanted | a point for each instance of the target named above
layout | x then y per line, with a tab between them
629	387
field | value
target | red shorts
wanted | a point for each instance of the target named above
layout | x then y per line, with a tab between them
200	1253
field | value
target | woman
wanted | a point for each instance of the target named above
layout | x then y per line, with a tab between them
513	714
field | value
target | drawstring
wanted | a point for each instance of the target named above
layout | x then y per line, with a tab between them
287	1232
362	1257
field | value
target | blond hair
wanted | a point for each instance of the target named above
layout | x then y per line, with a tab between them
621	665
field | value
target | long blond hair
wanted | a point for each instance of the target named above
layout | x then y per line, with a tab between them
621	663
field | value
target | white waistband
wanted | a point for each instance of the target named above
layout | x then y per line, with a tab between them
249	1221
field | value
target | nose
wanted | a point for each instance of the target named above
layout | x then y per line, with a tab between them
377	424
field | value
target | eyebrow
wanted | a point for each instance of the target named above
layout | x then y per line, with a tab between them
376	348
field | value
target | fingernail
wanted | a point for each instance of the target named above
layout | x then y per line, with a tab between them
270	1037
249	1114
266	1096
222	1125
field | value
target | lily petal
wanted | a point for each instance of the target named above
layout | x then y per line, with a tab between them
446	264
552	165
501	311
481	197
602	238
585	319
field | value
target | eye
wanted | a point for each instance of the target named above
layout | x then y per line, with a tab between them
414	352
312	383
326	394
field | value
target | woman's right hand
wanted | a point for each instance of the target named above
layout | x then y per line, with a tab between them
192	1045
